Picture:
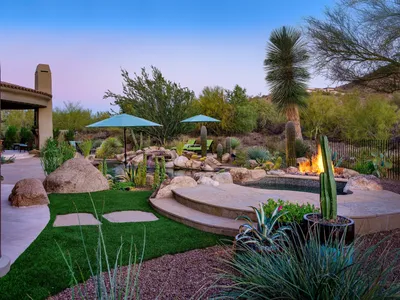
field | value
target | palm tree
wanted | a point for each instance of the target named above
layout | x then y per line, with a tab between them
285	65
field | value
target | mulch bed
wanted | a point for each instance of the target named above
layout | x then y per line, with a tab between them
190	274
391	185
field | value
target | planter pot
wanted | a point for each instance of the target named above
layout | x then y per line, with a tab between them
332	231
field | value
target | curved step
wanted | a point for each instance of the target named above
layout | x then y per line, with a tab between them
174	210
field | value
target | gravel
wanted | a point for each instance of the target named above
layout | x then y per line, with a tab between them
191	275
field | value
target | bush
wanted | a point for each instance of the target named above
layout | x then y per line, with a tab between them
179	147
54	154
25	135
109	148
241	157
85	147
294	212
11	137
70	135
235	142
302	149
96	144
311	271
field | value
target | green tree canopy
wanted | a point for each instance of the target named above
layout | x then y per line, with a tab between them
157	99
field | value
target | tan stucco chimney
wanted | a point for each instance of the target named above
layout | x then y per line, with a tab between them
45	115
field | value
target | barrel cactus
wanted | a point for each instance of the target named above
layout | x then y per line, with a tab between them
220	150
203	141
328	194
228	145
290	144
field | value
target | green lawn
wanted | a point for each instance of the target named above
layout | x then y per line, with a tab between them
40	271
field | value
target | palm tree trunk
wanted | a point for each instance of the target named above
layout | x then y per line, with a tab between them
292	114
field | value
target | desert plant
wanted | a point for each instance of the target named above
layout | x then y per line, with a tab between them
85	147
235	143
258	153
109	148
97	144
56	133
54	154
220	150
328	194
336	160
203	141
163	171
381	164
265	235
241	157
141	172
7	160
103	167
179	147
70	135
290	144
278	163
228	148
363	167
66	151
294	212
156	182
302	148
107	280
311	271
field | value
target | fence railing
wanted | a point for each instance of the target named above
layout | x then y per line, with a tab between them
354	153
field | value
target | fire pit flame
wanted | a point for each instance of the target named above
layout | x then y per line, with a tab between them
315	165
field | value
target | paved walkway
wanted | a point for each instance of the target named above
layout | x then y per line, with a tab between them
20	226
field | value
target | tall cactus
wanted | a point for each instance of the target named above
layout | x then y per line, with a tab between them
228	145
203	141
328	195
290	144
220	150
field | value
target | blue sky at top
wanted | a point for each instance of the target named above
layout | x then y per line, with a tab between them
195	43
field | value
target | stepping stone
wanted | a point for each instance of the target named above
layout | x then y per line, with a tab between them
130	216
75	219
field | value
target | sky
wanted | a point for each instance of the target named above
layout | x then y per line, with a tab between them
195	43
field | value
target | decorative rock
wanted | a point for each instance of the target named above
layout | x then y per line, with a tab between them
177	182
91	157
169	165
28	192
109	177
180	162
257	174
207	168
75	219
161	149
198	175
138	152
364	183
240	174
292	170
193	164
225	177
173	154
207	181
129	155
212	162
226	157
149	179
76	175
252	163
276	172
137	159
130	216
348	173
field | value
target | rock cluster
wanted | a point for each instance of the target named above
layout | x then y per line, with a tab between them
135	157
209	164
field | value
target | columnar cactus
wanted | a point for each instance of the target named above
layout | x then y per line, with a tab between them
203	141
328	195
156	181
228	145
163	171
290	144
220	150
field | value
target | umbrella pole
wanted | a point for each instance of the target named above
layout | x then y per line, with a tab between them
125	146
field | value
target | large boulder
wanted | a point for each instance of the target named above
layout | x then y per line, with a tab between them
240	174
257	174
28	192
137	159
178	182
169	165
207	181
363	183
180	162
349	173
76	175
225	177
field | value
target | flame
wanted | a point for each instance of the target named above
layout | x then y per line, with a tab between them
315	165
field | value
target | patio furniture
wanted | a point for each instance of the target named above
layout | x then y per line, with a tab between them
20	147
197	147
188	144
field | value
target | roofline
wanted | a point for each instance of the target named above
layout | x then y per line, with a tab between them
22	88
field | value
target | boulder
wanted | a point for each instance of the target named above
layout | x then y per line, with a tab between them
276	172
225	177
225	158
137	159
257	174
178	182
173	154
198	175
76	175
363	183
28	192
292	170
207	168
207	181
169	165
212	162
149	179
240	174
138	152
348	173
129	156
252	163
193	164
180	162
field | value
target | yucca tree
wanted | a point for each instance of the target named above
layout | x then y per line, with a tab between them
286	68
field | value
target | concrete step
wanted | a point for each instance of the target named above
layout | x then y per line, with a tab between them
198	202
172	209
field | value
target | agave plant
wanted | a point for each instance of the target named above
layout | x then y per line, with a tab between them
266	234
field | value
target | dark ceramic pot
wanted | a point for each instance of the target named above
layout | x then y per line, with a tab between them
335	232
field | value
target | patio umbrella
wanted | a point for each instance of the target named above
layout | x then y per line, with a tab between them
124	120
200	119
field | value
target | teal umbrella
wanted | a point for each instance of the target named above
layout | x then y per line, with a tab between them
200	119
125	121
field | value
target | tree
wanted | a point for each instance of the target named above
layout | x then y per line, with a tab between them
156	99
285	65
359	42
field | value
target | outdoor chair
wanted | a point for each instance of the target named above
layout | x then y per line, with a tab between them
197	148
188	144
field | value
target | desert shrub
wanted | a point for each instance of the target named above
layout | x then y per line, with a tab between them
311	271
302	149
85	147
241	157
235	142
269	119
97	143
69	135
258	153
53	154
25	135
294	212
109	148
56	133
11	137
179	147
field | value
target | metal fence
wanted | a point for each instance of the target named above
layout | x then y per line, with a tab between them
356	153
